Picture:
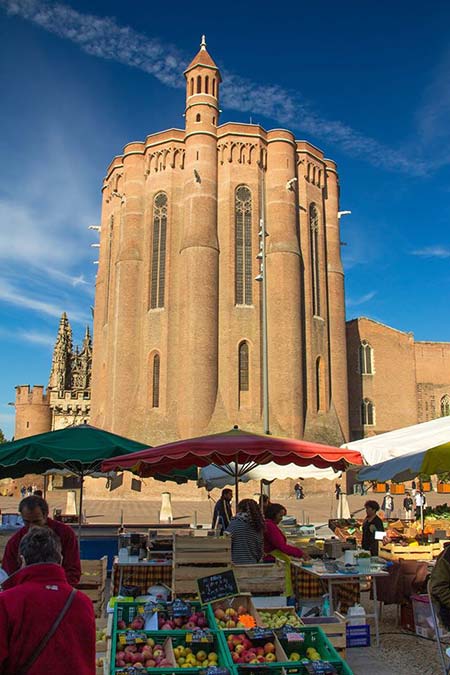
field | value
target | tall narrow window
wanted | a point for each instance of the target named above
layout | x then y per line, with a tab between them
199	84
243	246
155	381
367	412
207	85
445	406
365	358
214	87
243	367
315	268
158	271
108	268
192	85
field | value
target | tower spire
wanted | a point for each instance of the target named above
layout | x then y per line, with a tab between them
203	42
60	376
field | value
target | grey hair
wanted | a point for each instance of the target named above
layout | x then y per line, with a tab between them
40	545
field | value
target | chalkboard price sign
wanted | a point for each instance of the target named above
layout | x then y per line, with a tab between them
217	586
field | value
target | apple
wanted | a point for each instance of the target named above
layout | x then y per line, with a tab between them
150	663
219	614
230	612
241	610
239	648
235	657
121	625
247	656
150	642
269	647
271	657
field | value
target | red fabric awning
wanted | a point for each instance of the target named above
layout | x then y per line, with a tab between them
233	446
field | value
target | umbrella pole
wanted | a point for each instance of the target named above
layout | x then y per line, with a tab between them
236	484
45	486
80	515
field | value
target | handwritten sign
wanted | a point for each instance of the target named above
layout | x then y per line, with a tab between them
217	586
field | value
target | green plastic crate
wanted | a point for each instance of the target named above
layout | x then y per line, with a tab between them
314	637
177	638
128	610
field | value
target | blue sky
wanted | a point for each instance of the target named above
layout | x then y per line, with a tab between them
366	82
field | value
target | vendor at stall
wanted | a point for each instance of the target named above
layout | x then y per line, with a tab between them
222	511
275	542
247	533
371	524
34	512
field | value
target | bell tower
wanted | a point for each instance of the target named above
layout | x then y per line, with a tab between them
199	248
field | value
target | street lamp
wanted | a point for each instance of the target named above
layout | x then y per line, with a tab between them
262	278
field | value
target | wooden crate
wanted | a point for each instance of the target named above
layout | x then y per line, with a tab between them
421	552
195	557
93	582
261	578
334	628
94	570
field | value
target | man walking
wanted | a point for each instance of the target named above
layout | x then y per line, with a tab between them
388	505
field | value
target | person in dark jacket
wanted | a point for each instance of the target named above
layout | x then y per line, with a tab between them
222	511
371	524
440	585
247	533
30	603
34	512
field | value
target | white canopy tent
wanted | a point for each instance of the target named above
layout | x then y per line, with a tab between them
418	437
215	477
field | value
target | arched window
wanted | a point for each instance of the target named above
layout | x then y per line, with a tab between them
244	384
367	412
365	358
158	270
243	246
192	86
206	84
198	117
445	406
315	268
320	385
155	380
199	84
214	87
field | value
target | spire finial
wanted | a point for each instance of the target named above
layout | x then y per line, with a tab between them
203	42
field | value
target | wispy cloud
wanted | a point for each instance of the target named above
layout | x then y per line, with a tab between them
105	38
32	336
18	298
354	302
432	252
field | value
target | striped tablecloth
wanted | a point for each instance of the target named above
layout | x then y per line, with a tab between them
141	575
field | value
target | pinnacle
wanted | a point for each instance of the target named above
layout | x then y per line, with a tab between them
202	58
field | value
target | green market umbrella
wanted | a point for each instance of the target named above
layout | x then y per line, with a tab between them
79	450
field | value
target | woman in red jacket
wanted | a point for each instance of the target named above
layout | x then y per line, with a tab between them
275	543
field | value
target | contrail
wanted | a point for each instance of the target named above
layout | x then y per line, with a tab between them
104	38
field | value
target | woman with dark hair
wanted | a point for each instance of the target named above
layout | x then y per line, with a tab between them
275	543
371	524
247	533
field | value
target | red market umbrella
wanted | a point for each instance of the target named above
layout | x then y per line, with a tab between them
230	449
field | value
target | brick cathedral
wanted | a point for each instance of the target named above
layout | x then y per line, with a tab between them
178	327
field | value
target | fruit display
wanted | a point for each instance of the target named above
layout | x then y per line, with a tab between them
277	618
188	657
192	622
149	654
244	650
228	617
137	623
